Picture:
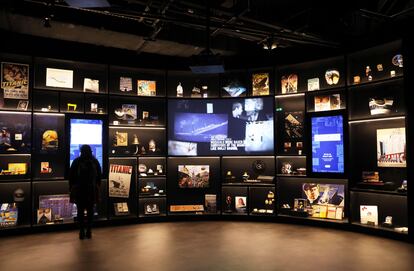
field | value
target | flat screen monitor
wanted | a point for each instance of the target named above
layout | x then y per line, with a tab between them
220	126
86	131
327	144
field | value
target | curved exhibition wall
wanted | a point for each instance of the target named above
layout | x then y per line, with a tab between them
317	141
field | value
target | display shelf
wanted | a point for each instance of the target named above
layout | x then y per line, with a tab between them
188	85
152	207
136	111
379	100
137	141
15	167
136	82
336	221
376	63
248	184
379	228
67	75
315	75
404	194
368	120
291	175
72	103
8	228
326	100
247	167
291	165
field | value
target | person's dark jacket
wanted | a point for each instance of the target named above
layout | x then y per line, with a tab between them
85	180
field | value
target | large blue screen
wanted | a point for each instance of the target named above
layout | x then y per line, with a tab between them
86	131
327	144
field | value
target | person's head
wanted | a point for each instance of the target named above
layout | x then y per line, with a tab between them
311	190
241	201
86	151
237	109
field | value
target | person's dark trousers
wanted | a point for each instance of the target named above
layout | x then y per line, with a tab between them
85	227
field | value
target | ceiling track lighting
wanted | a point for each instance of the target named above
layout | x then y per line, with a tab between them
269	44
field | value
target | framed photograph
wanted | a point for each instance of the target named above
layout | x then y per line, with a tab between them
193	176
241	204
125	84
22	105
15	80
59	78
391	147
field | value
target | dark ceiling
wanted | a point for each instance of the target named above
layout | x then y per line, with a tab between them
236	27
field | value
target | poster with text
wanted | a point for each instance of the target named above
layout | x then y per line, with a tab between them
15	80
391	149
119	180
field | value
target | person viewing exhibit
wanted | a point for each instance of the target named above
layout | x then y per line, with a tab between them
84	184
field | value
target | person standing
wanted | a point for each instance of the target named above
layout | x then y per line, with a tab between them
84	184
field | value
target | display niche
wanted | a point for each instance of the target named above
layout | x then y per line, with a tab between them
49	146
122	188
313	198
312	76
65	75
385	211
15	205
189	85
51	203
290	125
136	141
128	111
152	186
193	185
136	82
234	83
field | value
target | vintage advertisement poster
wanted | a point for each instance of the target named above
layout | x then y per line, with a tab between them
260	82
391	150
15	80
119	180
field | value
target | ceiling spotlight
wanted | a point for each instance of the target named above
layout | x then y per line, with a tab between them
46	21
269	44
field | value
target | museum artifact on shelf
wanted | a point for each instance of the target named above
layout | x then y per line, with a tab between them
59	78
125	84
369	215
121	208
91	85
187	208
210	203
119	180
151	209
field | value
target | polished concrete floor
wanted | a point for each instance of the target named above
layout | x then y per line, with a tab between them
206	246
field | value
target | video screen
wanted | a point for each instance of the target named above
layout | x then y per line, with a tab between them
86	131
327	144
220	127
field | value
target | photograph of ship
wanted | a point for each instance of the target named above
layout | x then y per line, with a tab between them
196	127
193	176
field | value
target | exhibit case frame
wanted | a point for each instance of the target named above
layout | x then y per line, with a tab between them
361	94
